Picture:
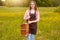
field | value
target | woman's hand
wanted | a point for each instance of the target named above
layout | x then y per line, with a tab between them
27	17
29	22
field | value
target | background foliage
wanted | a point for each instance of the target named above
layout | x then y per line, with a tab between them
40	3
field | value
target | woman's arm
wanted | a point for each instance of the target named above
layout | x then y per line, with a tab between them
26	16
37	18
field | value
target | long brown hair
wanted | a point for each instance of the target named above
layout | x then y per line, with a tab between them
35	5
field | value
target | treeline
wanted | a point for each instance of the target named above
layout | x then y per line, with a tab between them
48	3
40	3
1	3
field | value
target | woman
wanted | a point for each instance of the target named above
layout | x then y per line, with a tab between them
32	16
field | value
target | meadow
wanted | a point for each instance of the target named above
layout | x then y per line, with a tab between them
12	17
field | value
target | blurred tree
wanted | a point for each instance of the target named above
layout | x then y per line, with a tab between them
47	3
57	3
42	3
16	2
1	3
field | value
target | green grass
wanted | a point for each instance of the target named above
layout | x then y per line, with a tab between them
12	17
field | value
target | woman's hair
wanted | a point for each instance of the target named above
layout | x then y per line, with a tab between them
34	3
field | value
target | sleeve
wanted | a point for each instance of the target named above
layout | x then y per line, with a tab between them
38	16
26	14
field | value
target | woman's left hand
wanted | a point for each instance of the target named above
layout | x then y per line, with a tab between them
29	22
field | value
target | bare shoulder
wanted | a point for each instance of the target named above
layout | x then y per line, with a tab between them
37	10
27	12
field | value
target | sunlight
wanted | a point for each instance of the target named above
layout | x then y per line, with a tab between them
14	2
3	0
18	2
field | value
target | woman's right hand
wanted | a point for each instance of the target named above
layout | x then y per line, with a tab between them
28	17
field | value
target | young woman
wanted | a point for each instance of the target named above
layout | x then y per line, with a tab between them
32	16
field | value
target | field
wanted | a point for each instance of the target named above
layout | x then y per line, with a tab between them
12	17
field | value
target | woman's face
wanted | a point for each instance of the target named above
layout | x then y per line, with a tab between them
32	5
